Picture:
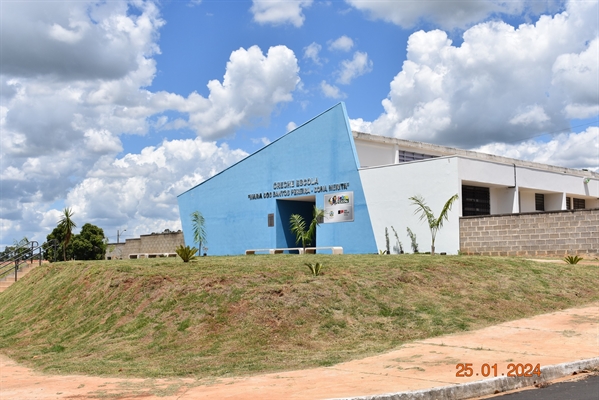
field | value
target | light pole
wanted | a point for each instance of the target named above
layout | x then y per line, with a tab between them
118	234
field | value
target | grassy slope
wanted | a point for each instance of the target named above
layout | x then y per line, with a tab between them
240	315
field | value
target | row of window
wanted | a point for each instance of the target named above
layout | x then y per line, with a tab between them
476	200
406	156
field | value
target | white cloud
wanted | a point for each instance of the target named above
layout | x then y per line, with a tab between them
351	69
331	91
263	140
448	14
142	188
533	115
573	150
342	43
76	40
501	84
577	74
252	87
311	52
291	126
359	125
86	91
278	12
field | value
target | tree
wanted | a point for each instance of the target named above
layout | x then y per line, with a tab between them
426	214
51	253
298	227
199	229
66	225
89	244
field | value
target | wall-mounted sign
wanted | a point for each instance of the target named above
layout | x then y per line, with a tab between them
298	187
339	207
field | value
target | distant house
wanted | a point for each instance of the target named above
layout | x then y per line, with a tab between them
363	183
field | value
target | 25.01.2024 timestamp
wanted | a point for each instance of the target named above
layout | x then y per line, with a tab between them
465	370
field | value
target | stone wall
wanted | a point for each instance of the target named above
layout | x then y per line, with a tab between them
152	245
553	233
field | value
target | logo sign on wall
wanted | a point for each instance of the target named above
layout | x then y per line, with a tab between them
339	207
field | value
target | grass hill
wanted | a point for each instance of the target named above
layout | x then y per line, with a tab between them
218	316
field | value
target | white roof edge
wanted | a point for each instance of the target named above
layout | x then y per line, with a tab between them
452	151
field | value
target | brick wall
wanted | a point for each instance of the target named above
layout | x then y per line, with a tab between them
155	243
553	233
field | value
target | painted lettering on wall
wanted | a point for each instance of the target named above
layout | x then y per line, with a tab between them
298	187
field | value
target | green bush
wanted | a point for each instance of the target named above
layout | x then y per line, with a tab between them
186	253
572	259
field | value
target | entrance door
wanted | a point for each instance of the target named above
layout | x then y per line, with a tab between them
303	206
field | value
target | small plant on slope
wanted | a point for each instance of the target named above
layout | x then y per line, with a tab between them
199	229
398	247
426	213
387	241
413	241
572	259
315	268
186	253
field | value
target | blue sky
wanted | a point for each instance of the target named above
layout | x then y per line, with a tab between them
113	108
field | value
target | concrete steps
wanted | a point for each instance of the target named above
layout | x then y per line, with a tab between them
9	279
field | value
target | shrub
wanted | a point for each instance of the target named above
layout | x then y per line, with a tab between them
572	259
186	253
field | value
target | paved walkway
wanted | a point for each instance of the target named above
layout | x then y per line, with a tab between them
549	339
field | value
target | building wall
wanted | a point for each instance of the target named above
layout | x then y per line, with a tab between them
236	202
152	244
554	233
375	154
512	189
388	190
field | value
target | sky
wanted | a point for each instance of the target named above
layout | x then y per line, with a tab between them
114	108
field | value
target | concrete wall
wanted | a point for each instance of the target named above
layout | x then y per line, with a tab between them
373	154
153	244
553	233
388	190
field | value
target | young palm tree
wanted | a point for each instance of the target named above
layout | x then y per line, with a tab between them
298	227
66	225
426	214
199	229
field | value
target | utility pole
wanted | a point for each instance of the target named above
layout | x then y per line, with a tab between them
118	235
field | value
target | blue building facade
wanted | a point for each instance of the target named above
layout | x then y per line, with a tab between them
248	205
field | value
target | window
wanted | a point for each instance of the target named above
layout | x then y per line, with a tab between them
271	220
539	202
406	156
568	204
475	201
579	204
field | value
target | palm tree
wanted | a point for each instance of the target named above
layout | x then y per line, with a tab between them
66	225
426	214
199	229
298	227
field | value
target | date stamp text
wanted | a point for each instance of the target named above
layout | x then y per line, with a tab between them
465	370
